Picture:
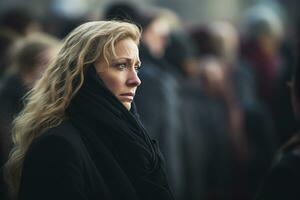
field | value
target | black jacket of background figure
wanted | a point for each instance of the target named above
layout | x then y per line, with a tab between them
282	181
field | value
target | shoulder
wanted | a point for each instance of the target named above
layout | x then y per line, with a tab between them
56	144
64	131
54	166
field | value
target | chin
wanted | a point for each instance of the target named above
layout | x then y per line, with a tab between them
127	105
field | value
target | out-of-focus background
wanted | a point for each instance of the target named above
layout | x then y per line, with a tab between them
214	77
191	11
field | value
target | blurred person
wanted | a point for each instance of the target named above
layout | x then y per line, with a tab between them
225	78
258	145
156	31
226	39
60	24
161	115
241	77
281	182
124	11
262	34
264	50
181	57
83	106
202	117
230	141
30	56
7	39
180	50
282	110
63	16
15	22
20	20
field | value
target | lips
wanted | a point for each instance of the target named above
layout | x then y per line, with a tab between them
127	96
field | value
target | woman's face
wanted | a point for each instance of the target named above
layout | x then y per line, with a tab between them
120	74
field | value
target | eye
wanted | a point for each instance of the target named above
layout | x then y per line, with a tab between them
121	66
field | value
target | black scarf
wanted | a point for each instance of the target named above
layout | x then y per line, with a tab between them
102	118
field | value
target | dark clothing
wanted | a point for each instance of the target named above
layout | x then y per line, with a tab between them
208	158
101	152
11	92
158	102
282	110
282	181
262	142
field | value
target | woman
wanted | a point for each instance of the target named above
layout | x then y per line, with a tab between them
282	182
79	136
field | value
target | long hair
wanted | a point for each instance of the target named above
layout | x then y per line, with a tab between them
47	102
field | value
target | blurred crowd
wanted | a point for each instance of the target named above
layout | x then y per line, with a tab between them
213	95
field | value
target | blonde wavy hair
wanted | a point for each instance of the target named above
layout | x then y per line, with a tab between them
47	102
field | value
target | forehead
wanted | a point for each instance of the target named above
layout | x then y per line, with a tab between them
126	48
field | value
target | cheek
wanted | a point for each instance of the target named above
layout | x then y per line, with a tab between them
113	83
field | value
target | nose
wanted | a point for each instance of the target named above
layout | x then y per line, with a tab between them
133	79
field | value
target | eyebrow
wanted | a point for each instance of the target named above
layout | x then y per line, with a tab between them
127	60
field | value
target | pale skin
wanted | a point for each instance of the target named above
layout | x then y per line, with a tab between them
120	73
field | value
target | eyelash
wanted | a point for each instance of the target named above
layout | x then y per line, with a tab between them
123	66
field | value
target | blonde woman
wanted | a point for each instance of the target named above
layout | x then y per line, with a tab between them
79	136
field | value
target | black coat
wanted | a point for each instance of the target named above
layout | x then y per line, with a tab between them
59	166
100	152
282	181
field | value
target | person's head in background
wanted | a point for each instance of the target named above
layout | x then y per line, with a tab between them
7	39
15	23
213	56
227	40
154	26
121	11
155	33
181	53
261	30
20	20
31	55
